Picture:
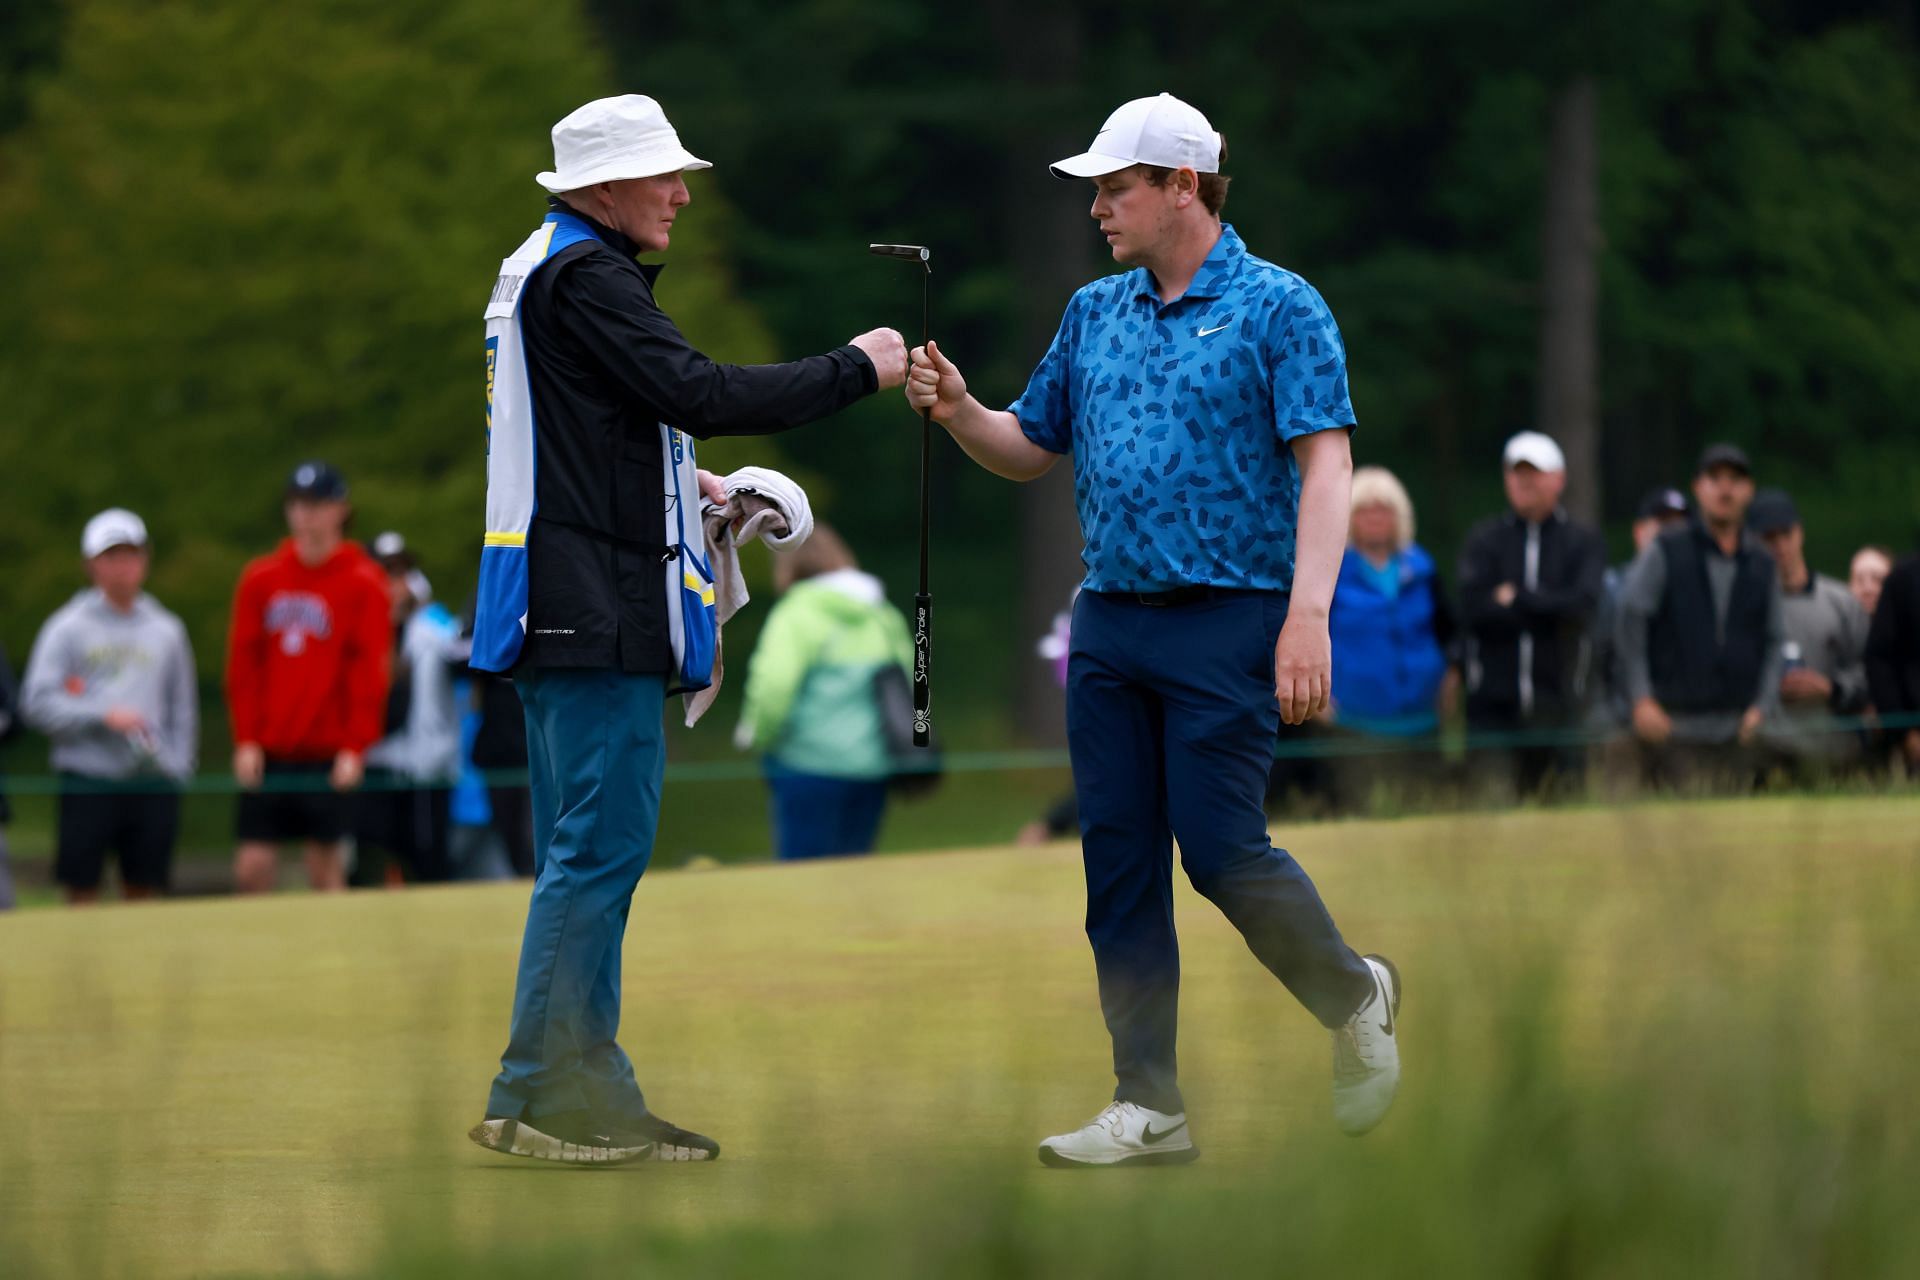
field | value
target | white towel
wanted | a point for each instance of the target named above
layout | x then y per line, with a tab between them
761	503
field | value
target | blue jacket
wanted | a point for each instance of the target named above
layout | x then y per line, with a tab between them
1389	650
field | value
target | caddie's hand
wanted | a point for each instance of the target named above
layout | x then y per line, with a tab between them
1651	721
249	765
348	770
711	488
888	351
1302	669
935	383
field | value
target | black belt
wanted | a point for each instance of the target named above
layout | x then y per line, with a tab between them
1178	595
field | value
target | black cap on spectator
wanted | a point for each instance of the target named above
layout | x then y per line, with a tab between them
1772	511
1724	455
317	480
1661	502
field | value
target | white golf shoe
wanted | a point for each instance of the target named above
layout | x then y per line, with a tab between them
1366	1057
1124	1133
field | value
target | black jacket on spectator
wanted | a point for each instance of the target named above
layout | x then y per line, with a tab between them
606	367
1893	645
1695	663
1531	659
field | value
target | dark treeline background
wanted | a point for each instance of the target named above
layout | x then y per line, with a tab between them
234	235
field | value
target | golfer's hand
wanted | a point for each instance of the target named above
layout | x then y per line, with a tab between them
888	351
1750	725
348	770
1302	669
249	765
935	383
1651	721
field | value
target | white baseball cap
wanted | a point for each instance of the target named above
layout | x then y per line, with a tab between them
1534	449
1161	131
614	138
114	527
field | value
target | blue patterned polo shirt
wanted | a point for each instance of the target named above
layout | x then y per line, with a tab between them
1180	417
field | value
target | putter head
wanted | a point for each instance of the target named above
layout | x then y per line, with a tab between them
911	252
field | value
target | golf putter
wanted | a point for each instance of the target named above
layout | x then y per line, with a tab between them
923	602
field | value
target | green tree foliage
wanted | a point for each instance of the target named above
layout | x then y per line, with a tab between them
236	235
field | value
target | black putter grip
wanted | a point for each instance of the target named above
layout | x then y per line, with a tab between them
922	657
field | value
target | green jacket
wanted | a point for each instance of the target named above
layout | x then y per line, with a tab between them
809	700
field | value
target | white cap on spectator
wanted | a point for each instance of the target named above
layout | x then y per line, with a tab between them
114	527
1534	449
1162	131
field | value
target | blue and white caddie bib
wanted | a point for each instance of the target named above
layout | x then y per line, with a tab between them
500	610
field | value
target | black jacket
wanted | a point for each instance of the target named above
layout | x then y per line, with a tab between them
1699	661
1893	645
1532	658
606	367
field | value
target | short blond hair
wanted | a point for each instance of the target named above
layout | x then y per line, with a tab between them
1378	487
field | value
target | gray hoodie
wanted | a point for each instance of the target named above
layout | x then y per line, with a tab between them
90	658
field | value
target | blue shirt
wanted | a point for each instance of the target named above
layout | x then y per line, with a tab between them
1180	416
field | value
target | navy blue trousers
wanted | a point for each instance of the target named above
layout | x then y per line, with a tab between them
818	816
1171	723
596	757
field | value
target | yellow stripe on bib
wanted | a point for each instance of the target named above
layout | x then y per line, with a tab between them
504	540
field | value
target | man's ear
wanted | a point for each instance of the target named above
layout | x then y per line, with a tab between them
1186	185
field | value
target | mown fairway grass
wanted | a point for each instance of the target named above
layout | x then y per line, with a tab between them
1670	1039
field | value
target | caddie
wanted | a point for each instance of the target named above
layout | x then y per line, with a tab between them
1203	396
595	593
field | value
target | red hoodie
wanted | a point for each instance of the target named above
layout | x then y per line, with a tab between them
307	656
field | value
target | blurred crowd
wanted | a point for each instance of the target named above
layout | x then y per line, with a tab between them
1714	657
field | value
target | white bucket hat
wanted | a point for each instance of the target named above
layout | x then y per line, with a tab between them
614	138
1162	131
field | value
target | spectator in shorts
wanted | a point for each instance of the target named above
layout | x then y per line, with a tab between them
306	685
111	682
1893	660
1701	632
1867	574
1823	674
403	809
1392	632
9	724
1529	586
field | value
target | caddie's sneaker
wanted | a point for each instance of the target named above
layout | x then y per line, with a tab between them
566	1137
1125	1133
1366	1058
671	1142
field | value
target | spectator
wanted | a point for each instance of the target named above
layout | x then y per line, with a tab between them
1701	632
111	682
1867	573
9	724
499	746
403	810
1392	633
1529	585
306	685
810	704
1893	659
1823	672
1659	510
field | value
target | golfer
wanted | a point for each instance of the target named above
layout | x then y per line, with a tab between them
1203	396
595	592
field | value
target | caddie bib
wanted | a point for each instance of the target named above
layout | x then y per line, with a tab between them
500	610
